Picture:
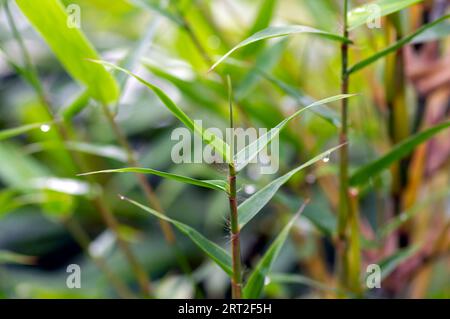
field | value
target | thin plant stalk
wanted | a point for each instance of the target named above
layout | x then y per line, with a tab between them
236	280
344	203
398	115
98	202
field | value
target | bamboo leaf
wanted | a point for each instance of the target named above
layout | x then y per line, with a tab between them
360	15
264	16
251	207
389	264
325	112
405	216
299	279
129	62
213	184
76	106
279	31
256	281
261	21
398	152
106	151
216	142
440	31
397	45
153	6
64	185
71	47
248	153
264	62
215	252
7	257
12	132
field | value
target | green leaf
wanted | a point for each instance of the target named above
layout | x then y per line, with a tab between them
405	216
317	212
437	32
251	207
217	143
274	32
156	7
21	167
325	112
248	153
389	264
101	150
299	279
398	152
255	283
64	185
12	132
106	151
76	106
264	62
71	47
215	252
397	45
264	16
213	184
360	15
7	257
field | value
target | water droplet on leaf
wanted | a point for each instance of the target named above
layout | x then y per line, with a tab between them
45	128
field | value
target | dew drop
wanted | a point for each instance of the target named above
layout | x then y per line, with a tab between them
326	158
249	189
45	128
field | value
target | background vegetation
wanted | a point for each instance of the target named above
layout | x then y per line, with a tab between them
373	188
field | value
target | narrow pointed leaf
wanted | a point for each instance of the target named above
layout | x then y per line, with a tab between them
213	184
252	206
7	257
216	142
405	216
397	45
440	31
389	264
398	152
156	7
12	132
299	279
361	15
325	112
248	153
71	47
76	106
279	31
261	21
106	151
255	284
215	252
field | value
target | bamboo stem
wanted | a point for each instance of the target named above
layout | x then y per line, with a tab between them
344	203
236	281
